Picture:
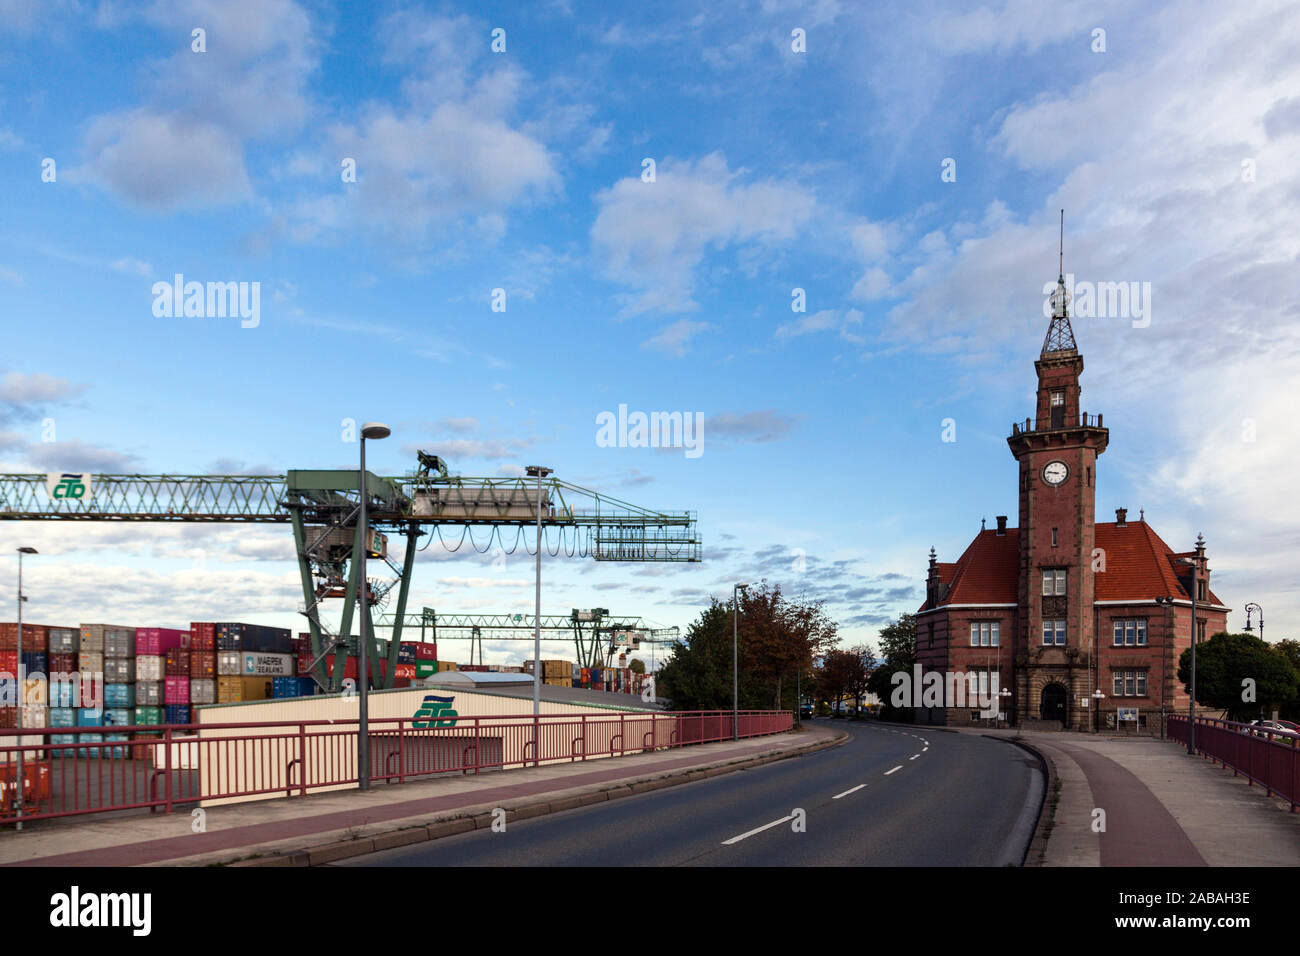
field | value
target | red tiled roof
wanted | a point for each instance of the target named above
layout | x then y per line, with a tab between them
1139	566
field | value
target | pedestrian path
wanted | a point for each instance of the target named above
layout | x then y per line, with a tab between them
340	823
1162	807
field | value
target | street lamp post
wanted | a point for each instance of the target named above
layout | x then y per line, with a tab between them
1097	698
735	659
375	431
1191	699
1004	703
538	472
1168	604
22	688
1253	606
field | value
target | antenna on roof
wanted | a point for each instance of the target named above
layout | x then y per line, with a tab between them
1061	251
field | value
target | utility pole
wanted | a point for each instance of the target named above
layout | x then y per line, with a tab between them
376	431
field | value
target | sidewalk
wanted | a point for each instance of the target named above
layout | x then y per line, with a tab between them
1162	807
330	826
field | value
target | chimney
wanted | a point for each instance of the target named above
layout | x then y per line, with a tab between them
1002	524
1121	517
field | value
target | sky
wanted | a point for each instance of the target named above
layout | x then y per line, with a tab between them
826	229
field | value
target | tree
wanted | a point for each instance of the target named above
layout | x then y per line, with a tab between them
636	665
898	648
776	638
1241	674
844	673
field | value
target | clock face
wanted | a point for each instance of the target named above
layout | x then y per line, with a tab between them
1055	472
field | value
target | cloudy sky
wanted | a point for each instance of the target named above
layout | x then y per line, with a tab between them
894	172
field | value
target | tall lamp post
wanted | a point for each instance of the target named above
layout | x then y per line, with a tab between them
22	684
1168	604
373	431
1253	606
735	659
1191	700
538	472
1097	698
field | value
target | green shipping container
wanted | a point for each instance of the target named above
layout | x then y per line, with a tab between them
148	715
425	668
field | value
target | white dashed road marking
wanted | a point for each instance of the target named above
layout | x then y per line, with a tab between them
847	792
888	772
765	826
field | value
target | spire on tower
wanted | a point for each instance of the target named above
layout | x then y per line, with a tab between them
1060	337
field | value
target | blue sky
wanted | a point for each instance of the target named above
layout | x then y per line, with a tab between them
774	170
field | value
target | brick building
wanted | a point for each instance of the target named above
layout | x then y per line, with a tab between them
1063	606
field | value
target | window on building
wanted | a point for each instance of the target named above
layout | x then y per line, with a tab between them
1053	537
1054	632
1054	581
1058	409
983	633
1130	632
1129	683
1200	631
1202	590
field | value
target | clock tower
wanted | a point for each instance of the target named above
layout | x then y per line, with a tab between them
1056	647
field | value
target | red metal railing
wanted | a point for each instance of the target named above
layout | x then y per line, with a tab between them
1262	756
182	765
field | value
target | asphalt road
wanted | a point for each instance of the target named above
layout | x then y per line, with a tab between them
889	796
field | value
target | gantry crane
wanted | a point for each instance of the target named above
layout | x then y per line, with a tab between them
323	508
592	629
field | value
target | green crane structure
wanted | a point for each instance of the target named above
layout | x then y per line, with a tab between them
593	630
323	509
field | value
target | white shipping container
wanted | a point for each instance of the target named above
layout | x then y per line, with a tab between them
92	661
228	663
36	694
253	664
150	667
203	691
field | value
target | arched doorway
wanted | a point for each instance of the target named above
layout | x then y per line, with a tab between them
1054	703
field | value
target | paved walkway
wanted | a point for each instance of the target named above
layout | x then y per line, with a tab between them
336	824
1162	807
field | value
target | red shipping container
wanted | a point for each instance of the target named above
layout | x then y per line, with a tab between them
203	636
9	662
349	670
402	671
176	690
425	652
35	636
61	663
203	665
8	718
177	663
156	641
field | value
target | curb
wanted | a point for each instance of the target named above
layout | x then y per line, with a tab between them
1036	852
472	818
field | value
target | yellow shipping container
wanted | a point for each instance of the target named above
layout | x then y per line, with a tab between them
232	690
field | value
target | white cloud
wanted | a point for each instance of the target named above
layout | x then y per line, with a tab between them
675	338
163	161
653	236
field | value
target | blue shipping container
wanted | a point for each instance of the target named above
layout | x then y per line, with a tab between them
63	739
178	713
91	718
62	694
119	695
65	717
119	717
36	662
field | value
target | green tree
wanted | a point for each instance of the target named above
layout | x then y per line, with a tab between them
898	648
635	665
778	638
1228	666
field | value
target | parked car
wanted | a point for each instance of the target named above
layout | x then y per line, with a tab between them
1276	728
